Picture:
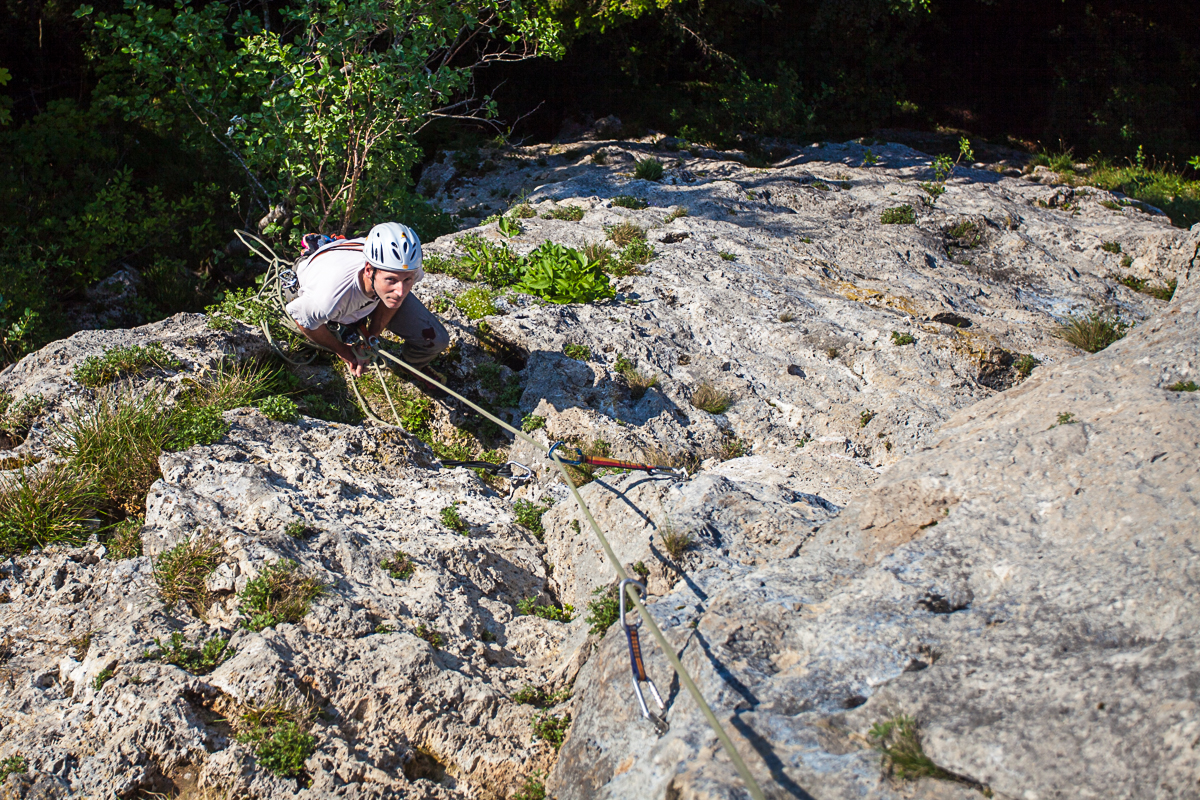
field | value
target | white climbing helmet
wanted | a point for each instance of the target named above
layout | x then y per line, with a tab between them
393	247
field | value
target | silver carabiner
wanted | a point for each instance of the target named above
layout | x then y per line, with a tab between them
637	665
516	481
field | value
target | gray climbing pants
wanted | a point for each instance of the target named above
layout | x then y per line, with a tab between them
423	333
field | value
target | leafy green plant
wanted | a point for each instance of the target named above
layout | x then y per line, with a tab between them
523	211
277	731
124	539
627	201
532	422
282	592
279	408
562	275
1092	332
578	352
708	398
102	677
648	169
677	213
869	158
1111	247
119	362
1025	364
1064	418
529	515
550	728
1164	292
898	215
625	233
865	418
476	303
603	611
508	226
539	697
181	572
193	425
1183	386
199	659
399	566
934	190
430	635
901	339
566	213
17	765
900	743
632	257
529	607
453	520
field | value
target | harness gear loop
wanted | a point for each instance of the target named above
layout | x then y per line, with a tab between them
637	665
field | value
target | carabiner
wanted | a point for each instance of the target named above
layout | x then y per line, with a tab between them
637	665
578	455
516	481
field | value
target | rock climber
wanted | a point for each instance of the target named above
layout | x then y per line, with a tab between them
349	280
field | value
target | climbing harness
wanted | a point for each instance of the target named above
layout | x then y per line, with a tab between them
372	352
612	463
637	665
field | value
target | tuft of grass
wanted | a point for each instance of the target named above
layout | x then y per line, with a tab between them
181	572
119	362
1111	247
648	169
709	398
674	542
529	516
278	408
900	339
533	789
282	592
1064	418
103	677
532	422
598	253
604	610
235	384
865	418
124	540
676	213
934	190
900	743
299	530
632	257
899	215
550	728
42	506
199	659
726	256
1092	332
277	731
16	418
579	352
523	211
528	607
787	316
476	303
565	213
430	635
732	447
625	233
17	765
1183	386
399	566
627	201
1164	292
639	382
453	520
1025	365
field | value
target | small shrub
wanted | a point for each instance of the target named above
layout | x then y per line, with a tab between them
709	398
102	678
901	339
565	213
674	542
626	201
1092	332
278	408
282	592
732	447
529	516
181	572
278	733
523	211
508	226
453	520
532	422
899	215
898	741
550	728
633	256
1065	418
579	352
726	256
1111	247
492	263
1025	365
42	506
1164	292
430	635
648	169
529	608
299	530
625	233
200	659
124	540
865	418
603	611
1183	386
476	303
934	190
639	382
534	789
195	425
641	570
399	566
97	371
17	765
563	275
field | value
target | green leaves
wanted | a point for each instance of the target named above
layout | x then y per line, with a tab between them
562	275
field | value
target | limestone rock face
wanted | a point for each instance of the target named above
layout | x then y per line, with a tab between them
870	529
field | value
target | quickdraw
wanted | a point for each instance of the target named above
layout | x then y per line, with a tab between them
636	663
612	463
505	470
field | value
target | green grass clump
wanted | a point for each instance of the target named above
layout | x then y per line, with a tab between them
603	611
626	201
278	733
639	382
1164	292
566	213
1162	188
282	592
648	169
399	566
900	339
550	728
709	398
278	408
533	789
625	233
43	506
193	425
674	542
899	742
124	539
430	635
1025	365
453	520
865	418
102	678
579	352
181	572
532	422
899	215
1111	247
17	765
529	516
677	213
96	371
528	607
523	211
1064	418
631	259
199	659
727	256
934	190
476	303
539	697
1092	332
1183	386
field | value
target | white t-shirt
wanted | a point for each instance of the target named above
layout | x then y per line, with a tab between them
330	290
